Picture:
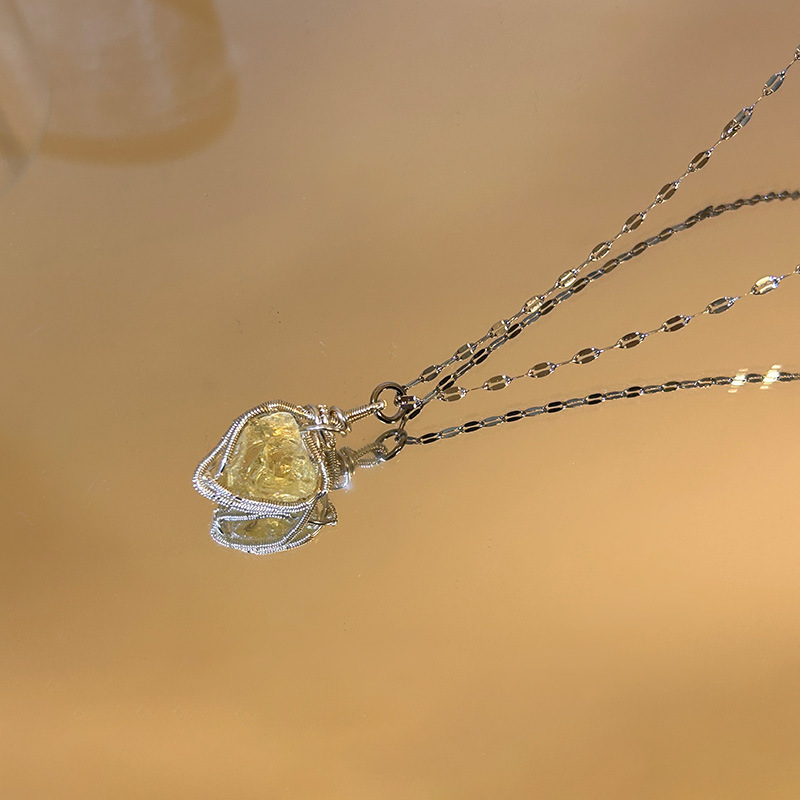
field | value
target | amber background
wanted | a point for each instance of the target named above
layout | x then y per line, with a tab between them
247	201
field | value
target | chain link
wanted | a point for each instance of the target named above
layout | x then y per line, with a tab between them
587	355
538	303
445	384
565	284
596	398
570	283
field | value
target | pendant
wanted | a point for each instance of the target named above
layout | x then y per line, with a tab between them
271	473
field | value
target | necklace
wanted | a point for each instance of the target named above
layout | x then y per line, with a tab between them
272	471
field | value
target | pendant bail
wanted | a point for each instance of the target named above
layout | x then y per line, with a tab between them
399	391
406	403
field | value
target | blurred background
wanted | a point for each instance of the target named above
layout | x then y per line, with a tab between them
211	204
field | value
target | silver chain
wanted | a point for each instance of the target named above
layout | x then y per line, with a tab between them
627	341
570	283
601	397
446	388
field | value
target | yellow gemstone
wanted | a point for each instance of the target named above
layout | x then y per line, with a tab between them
239	530
270	462
263	531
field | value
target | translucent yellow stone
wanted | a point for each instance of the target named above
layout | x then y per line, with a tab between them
238	529
266	531
270	462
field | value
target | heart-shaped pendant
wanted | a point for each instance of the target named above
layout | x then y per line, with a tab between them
271	473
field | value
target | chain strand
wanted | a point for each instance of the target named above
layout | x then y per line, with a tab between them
587	355
472	357
772	376
570	283
567	280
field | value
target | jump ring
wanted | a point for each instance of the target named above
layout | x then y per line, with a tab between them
399	391
400	438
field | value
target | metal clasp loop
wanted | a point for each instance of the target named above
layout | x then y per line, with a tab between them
399	391
400	437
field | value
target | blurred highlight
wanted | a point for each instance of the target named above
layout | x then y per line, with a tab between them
24	96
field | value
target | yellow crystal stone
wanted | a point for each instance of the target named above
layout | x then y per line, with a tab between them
270	462
240	530
265	531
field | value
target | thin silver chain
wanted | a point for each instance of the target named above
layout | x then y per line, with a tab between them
570	283
627	341
567	280
446	388
601	397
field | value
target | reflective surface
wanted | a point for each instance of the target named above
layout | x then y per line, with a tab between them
599	603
